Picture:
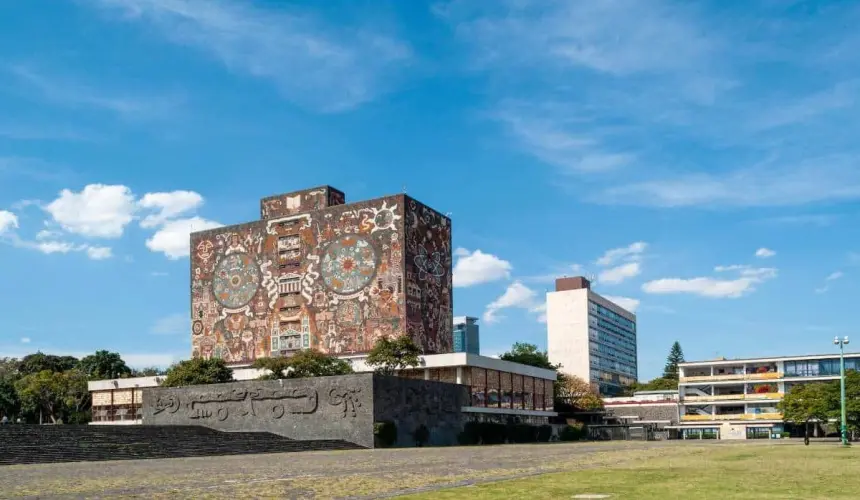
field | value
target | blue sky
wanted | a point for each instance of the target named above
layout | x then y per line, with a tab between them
699	158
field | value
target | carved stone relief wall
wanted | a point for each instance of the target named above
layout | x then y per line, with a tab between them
312	408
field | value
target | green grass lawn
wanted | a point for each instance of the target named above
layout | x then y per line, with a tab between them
825	472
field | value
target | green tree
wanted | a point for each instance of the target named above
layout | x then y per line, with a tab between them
852	400
10	403
42	393
197	371
676	355
39	362
528	354
103	365
303	364
807	402
77	402
388	356
151	371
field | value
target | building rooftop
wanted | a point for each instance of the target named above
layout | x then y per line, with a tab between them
734	361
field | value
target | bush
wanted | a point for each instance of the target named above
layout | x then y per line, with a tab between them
421	435
470	435
544	433
521	433
385	434
570	433
492	433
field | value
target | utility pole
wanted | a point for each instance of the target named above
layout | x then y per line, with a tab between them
842	343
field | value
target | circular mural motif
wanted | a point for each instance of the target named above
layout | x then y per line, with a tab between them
236	280
197	327
348	265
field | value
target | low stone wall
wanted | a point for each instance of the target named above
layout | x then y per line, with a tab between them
343	407
305	409
411	403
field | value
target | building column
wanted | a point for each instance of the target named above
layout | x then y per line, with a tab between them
459	374
712	370
427	374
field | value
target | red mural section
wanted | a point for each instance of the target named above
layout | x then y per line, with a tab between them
335	279
429	284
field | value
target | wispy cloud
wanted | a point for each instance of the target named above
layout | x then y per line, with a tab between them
311	62
821	220
67	91
746	281
174	324
665	100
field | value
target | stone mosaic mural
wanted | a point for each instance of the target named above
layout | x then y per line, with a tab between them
335	279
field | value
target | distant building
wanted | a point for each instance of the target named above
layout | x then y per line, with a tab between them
738	398
591	336
466	336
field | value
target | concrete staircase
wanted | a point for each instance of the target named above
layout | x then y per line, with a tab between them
33	444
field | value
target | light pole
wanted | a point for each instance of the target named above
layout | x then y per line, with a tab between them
842	343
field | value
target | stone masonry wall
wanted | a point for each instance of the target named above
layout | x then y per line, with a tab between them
410	403
310	408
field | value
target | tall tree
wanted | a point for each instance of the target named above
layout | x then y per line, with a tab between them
150	371
676	356
197	371
39	362
43	394
10	403
388	356
303	364
528	354
104	364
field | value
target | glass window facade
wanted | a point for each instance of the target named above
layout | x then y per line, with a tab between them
495	389
819	367
612	349
467	337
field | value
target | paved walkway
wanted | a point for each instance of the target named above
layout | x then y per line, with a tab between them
340	474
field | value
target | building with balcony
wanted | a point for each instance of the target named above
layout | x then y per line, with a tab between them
738	398
466	335
590	336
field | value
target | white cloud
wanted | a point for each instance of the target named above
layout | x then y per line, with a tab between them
168	206
744	284
831	277
620	273
327	66
174	324
628	303
8	221
474	268
173	238
630	252
49	247
764	253
158	274
516	295
99	211
47	234
25	340
99	253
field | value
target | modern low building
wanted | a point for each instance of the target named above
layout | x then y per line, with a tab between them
498	388
737	398
591	336
660	409
466	335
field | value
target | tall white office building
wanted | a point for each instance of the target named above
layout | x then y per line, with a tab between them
591	336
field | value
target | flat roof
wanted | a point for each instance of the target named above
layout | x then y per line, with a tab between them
735	361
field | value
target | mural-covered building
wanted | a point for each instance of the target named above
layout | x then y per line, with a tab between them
316	272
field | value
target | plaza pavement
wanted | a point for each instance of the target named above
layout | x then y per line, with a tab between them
332	474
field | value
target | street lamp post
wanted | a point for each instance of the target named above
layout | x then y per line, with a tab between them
842	343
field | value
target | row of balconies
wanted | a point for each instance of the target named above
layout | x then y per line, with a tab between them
738	416
739	397
733	376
